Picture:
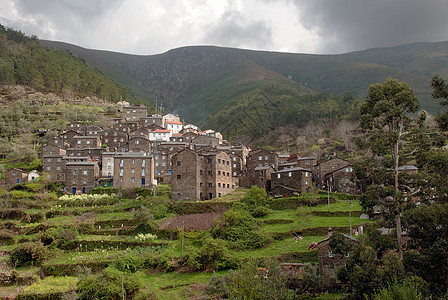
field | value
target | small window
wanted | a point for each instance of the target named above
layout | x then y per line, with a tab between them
178	163
132	179
132	170
219	172
278	175
289	174
210	184
234	173
330	254
178	176
260	157
219	184
84	172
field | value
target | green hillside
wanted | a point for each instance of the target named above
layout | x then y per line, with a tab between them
204	82
24	61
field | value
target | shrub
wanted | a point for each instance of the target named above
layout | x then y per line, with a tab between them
7	238
29	252
108	285
216	287
261	211
128	264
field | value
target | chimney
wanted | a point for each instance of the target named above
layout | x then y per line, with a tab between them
330	232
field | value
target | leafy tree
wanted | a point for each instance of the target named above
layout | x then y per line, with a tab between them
384	117
259	281
428	255
441	91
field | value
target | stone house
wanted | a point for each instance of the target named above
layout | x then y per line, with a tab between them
151	120
133	170
177	137
189	137
58	141
306	162
54	166
261	158
78	127
162	152
153	127
141	133
341	180
329	261
68	137
51	150
138	144
134	113
81	176
326	167
86	142
205	141
213	133
92	153
201	176
296	178
93	130
115	140
123	127
15	176
283	158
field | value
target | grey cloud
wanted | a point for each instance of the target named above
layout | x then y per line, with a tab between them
233	29
347	25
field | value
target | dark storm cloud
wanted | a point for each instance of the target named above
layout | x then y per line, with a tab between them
233	29
347	25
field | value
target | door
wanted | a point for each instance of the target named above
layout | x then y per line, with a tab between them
83	190
143	181
73	190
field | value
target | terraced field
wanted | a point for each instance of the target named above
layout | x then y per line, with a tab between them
89	234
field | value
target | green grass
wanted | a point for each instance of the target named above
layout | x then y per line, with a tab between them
277	248
314	221
52	285
174	285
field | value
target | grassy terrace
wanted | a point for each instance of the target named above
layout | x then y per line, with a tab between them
104	245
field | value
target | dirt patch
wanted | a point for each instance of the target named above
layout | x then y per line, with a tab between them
190	222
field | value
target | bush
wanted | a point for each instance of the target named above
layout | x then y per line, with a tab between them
261	211
29	252
7	238
128	264
108	285
216	287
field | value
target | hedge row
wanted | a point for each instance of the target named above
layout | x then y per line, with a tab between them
119	245
309	256
316	231
336	213
294	202
69	269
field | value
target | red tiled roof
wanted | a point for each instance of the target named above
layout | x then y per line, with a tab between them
160	130
173	122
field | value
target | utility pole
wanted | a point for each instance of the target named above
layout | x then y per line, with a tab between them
328	193
350	214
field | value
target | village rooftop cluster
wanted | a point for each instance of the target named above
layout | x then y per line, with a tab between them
141	150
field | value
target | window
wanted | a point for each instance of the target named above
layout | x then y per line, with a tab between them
278	175
57	168
133	161
74	172
219	172
260	157
74	181
289	174
228	185
137	142
266	157
84	172
219	160
228	174
234	165
234	158
132	170
143	173
178	163
88	142
200	172
178	176
210	184
48	169
209	173
143	163
330	253
132	179
121	172
219	184
121	162
234	173
79	142
84	182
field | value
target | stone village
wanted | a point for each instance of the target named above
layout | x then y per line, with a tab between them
141	150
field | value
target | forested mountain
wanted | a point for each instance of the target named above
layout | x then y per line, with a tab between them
233	89
24	61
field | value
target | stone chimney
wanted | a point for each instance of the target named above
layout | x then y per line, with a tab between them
330	232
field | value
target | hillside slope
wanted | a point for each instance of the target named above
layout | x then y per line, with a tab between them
231	89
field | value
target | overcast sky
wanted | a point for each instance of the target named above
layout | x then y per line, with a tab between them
303	26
